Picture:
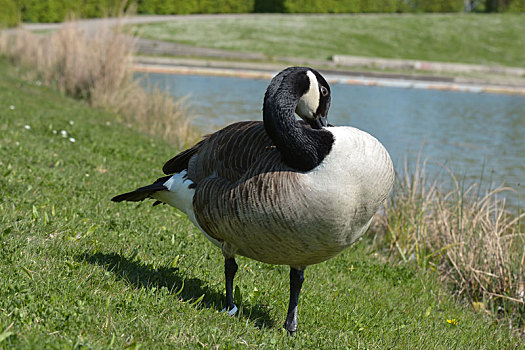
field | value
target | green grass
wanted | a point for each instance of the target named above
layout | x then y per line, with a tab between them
78	271
480	39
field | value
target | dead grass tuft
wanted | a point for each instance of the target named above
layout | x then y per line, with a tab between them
470	238
98	68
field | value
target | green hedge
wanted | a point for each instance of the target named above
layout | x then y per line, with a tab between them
440	5
351	6
517	6
363	6
165	7
9	13
382	6
297	6
508	5
57	10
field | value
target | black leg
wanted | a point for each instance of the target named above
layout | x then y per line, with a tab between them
230	268
296	282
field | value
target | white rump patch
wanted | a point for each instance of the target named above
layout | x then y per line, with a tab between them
309	102
179	194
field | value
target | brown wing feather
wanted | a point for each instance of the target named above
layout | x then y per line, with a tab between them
180	161
230	153
264	200
237	187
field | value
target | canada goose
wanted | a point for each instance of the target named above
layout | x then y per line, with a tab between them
280	191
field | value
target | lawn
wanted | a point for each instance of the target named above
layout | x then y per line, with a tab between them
468	38
77	270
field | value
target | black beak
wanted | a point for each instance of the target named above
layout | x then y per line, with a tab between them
320	123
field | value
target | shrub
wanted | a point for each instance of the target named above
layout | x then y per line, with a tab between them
359	6
386	6
516	6
267	6
9	13
46	10
331	6
194	6
504	5
440	5
58	10
161	7
99	8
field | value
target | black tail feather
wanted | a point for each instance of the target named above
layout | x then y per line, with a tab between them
143	192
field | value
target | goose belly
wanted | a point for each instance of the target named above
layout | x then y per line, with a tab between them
295	245
296	234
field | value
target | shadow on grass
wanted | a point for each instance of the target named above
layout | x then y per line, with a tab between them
148	277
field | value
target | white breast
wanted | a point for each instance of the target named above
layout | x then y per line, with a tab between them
352	182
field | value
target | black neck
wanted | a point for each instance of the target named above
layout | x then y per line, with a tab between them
302	148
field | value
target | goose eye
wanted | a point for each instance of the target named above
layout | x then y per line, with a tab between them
324	91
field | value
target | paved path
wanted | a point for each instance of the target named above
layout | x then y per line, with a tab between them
342	68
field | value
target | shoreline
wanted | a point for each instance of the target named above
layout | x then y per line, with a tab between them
250	70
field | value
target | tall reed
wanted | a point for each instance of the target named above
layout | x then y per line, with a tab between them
469	236
98	67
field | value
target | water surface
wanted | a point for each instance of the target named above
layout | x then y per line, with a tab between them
474	135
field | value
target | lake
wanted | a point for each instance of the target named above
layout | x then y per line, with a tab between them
473	134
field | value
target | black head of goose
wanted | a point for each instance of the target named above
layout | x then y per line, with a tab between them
281	191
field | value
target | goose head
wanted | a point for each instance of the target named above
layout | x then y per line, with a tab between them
314	102
304	91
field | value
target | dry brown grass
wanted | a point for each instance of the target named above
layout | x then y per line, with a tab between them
470	238
98	68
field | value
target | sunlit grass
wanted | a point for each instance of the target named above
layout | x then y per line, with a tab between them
80	271
473	38
83	271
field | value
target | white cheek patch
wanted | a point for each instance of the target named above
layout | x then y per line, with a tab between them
309	102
